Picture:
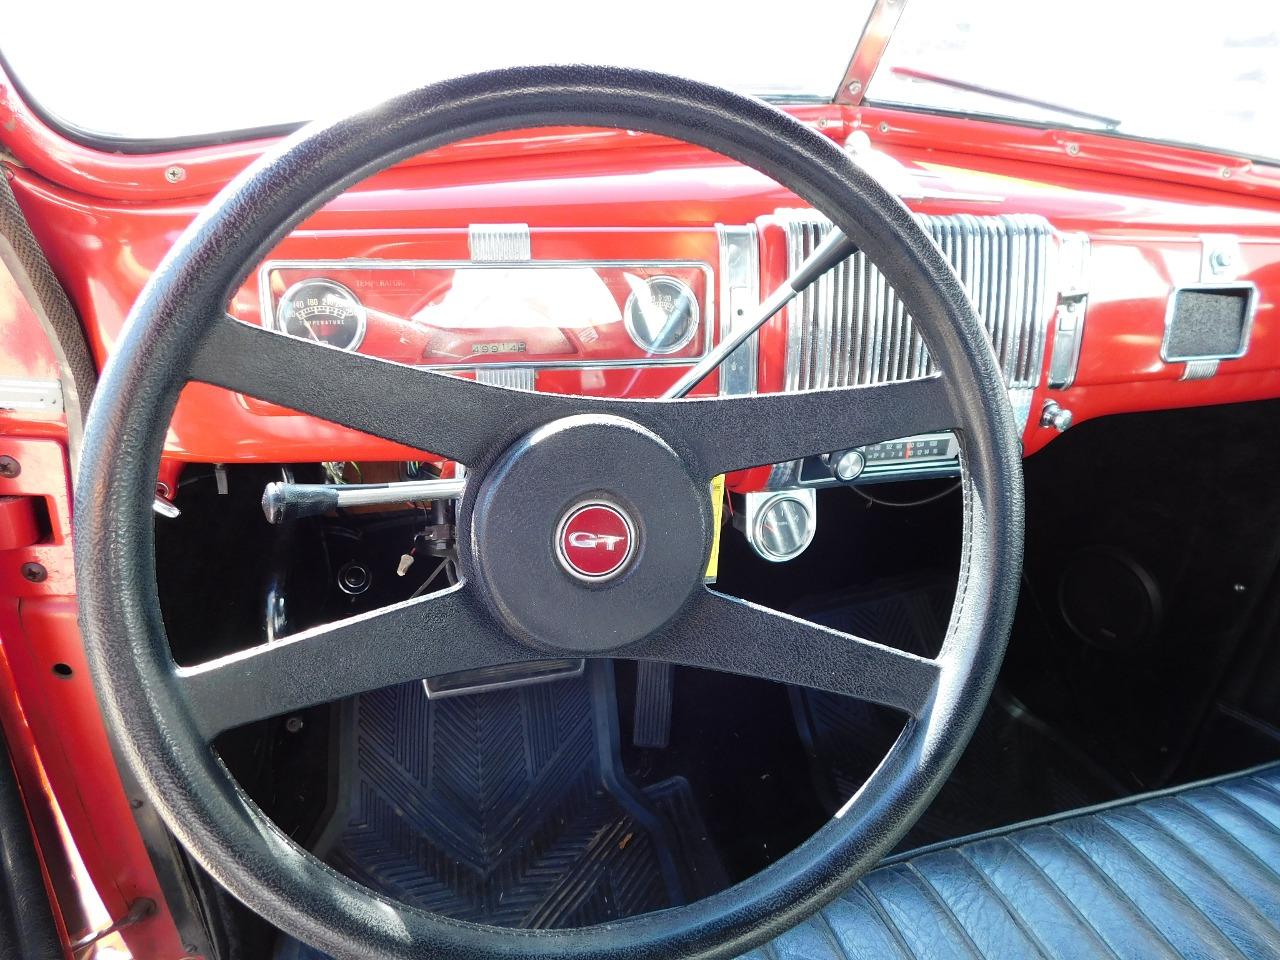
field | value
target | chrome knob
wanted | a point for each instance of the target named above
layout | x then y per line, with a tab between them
845	465
1056	416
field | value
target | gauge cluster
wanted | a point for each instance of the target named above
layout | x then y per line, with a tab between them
471	315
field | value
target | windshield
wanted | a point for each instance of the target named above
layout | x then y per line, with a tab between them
156	71
1206	74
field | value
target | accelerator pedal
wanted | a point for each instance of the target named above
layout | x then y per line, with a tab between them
655	684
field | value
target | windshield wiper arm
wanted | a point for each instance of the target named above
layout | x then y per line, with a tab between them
910	73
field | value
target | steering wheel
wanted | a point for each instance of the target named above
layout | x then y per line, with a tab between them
533	459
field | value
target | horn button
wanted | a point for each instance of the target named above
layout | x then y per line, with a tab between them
587	534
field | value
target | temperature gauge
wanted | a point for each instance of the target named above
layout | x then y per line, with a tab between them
323	311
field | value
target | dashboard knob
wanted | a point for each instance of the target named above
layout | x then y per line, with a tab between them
1056	416
845	465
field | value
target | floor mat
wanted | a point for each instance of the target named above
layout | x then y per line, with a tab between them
1014	768
509	808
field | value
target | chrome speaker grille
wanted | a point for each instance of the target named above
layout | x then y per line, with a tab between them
851	329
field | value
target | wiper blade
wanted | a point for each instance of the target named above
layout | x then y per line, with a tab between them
910	73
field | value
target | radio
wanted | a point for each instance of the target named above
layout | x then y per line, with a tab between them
928	455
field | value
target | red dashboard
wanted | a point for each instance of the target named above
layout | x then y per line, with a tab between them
611	215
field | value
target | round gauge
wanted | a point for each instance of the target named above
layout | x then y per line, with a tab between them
783	529
323	311
662	315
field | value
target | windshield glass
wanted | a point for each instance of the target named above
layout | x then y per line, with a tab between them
1197	73
165	70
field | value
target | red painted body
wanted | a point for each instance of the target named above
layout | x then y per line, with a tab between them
105	222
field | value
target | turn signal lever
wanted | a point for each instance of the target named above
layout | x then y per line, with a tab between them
283	502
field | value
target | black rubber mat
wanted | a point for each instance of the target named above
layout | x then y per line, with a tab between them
1014	769
509	808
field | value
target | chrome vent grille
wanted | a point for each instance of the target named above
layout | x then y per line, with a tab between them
851	329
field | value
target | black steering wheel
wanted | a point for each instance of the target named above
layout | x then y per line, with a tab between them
534	458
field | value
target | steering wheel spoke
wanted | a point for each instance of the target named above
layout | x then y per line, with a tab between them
733	433
428	411
470	421
719	632
440	633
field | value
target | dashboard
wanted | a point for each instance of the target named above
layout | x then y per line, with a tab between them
609	269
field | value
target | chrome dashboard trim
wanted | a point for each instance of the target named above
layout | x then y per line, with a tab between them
499	242
852	329
1072	312
1199	370
511	378
740	297
708	308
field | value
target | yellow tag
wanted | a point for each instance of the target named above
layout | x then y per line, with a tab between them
717	512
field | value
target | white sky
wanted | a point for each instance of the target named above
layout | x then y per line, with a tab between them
150	68
1197	72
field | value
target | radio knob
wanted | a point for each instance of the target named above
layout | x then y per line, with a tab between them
845	465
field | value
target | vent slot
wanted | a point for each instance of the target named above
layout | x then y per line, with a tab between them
850	328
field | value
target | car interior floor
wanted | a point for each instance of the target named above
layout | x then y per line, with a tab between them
1141	657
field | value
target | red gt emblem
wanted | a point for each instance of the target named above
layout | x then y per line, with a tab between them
595	541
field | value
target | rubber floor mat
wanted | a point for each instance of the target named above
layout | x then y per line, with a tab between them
1014	768
509	808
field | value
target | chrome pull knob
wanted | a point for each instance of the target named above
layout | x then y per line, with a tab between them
1052	414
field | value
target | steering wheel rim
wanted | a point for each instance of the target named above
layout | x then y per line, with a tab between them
177	324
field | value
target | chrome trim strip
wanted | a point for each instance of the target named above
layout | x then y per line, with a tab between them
1073	308
37	396
740	297
852	329
1250	309
499	242
512	379
266	308
1199	370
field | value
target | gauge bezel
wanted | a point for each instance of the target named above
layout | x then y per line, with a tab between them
772	502
683	341
362	314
